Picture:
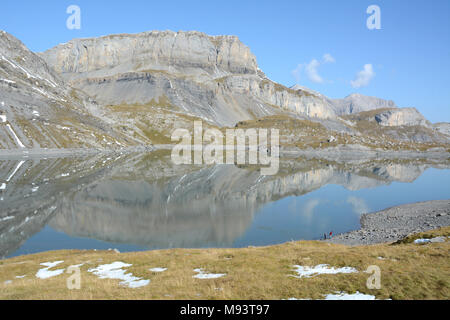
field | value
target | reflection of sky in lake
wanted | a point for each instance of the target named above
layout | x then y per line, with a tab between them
49	239
334	208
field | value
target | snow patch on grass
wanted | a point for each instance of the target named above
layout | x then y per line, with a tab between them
421	241
346	296
157	269
115	271
201	274
341	296
45	273
308	272
434	240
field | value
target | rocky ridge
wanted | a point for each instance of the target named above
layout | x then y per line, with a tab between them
356	103
38	110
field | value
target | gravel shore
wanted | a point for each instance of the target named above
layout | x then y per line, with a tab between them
396	223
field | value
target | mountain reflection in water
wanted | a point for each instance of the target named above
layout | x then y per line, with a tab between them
143	201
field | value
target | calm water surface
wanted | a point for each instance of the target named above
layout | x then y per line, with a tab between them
142	201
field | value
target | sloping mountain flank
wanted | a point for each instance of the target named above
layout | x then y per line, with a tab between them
37	109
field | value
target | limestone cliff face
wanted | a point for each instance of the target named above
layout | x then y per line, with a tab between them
402	117
174	52
213	77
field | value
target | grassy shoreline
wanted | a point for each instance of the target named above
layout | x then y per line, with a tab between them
408	271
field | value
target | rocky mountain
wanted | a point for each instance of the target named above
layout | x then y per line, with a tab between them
215	78
356	103
353	103
38	110
134	89
402	117
399	124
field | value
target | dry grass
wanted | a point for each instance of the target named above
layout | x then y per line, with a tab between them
408	271
310	134
151	123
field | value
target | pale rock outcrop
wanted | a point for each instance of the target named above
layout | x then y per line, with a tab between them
401	117
174	52
355	103
442	127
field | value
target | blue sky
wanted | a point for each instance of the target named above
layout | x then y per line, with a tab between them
409	57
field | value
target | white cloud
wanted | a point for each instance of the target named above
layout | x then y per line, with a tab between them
358	204
297	73
328	58
363	77
311	69
308	209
